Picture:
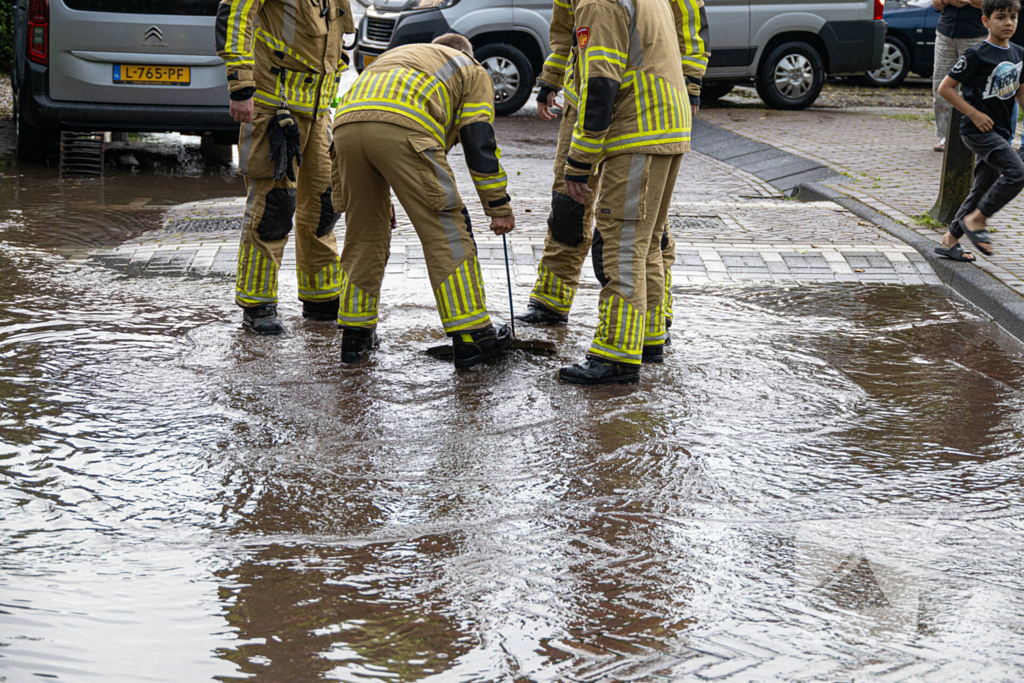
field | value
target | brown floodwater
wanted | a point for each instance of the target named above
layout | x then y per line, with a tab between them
820	483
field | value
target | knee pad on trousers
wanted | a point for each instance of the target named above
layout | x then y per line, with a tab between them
328	218
278	214
469	223
664	239
597	255
566	219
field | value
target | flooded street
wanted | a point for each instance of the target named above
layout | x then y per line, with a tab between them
822	482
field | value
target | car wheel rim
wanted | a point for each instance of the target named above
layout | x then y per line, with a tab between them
892	65
794	76
505	77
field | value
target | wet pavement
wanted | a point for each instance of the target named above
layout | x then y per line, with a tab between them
822	482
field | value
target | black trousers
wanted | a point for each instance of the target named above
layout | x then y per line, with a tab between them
998	176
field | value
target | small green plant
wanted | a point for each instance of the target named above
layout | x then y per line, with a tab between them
929	222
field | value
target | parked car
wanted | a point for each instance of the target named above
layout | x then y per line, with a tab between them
910	43
786	48
116	65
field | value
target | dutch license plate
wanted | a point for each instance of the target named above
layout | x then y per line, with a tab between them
141	74
368	60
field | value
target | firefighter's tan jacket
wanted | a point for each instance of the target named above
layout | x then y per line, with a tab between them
287	51
691	32
444	93
632	93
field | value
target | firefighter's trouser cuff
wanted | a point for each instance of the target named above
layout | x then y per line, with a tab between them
620	333
551	292
460	299
322	286
655	328
256	279
356	308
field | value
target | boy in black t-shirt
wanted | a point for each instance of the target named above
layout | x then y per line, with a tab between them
989	75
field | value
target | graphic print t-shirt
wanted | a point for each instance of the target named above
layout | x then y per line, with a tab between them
989	76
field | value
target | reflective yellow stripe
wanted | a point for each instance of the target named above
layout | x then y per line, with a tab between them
551	292
238	25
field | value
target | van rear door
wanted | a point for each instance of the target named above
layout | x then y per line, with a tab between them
144	52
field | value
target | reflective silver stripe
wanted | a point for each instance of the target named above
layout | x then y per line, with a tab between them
636	51
631	216
451	200
614	352
467	321
453	65
244	150
289	22
250	200
357	318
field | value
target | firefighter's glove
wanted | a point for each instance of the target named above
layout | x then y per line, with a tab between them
285	145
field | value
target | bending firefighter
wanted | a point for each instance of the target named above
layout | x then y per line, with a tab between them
284	60
393	130
634	120
569	224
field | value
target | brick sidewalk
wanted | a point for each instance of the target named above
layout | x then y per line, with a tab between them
729	226
887	162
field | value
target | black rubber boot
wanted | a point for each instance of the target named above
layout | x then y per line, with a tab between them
356	343
654	354
473	348
541	315
262	319
593	371
320	310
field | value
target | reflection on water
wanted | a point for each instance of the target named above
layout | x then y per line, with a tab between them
819	482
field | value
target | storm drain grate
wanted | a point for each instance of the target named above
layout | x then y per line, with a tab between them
681	224
205	225
81	153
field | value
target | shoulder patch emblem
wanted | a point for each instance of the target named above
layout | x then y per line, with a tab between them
583	36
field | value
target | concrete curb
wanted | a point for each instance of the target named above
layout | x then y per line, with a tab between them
1005	306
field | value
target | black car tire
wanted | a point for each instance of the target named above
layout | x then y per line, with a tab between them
791	76
35	145
512	75
894	53
712	91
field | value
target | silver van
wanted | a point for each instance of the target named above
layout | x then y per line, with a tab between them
117	65
786	47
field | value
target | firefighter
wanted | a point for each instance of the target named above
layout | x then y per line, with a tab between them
633	124
569	234
393	129
284	61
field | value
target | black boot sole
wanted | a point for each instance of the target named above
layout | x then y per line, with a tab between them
547	322
633	379
264	333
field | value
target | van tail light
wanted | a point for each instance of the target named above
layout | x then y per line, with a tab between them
38	43
879	9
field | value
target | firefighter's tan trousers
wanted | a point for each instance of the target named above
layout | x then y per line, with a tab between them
371	159
272	207
636	193
570	231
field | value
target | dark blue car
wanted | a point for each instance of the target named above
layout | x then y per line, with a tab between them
909	43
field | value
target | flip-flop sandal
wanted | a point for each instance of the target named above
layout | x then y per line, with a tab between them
977	238
956	253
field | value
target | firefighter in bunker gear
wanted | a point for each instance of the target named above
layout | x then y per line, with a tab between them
284	62
393	129
569	235
634	120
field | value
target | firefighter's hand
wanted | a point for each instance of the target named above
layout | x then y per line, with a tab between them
578	191
694	109
501	225
544	108
242	111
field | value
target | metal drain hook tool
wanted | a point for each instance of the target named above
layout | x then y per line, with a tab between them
508	279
